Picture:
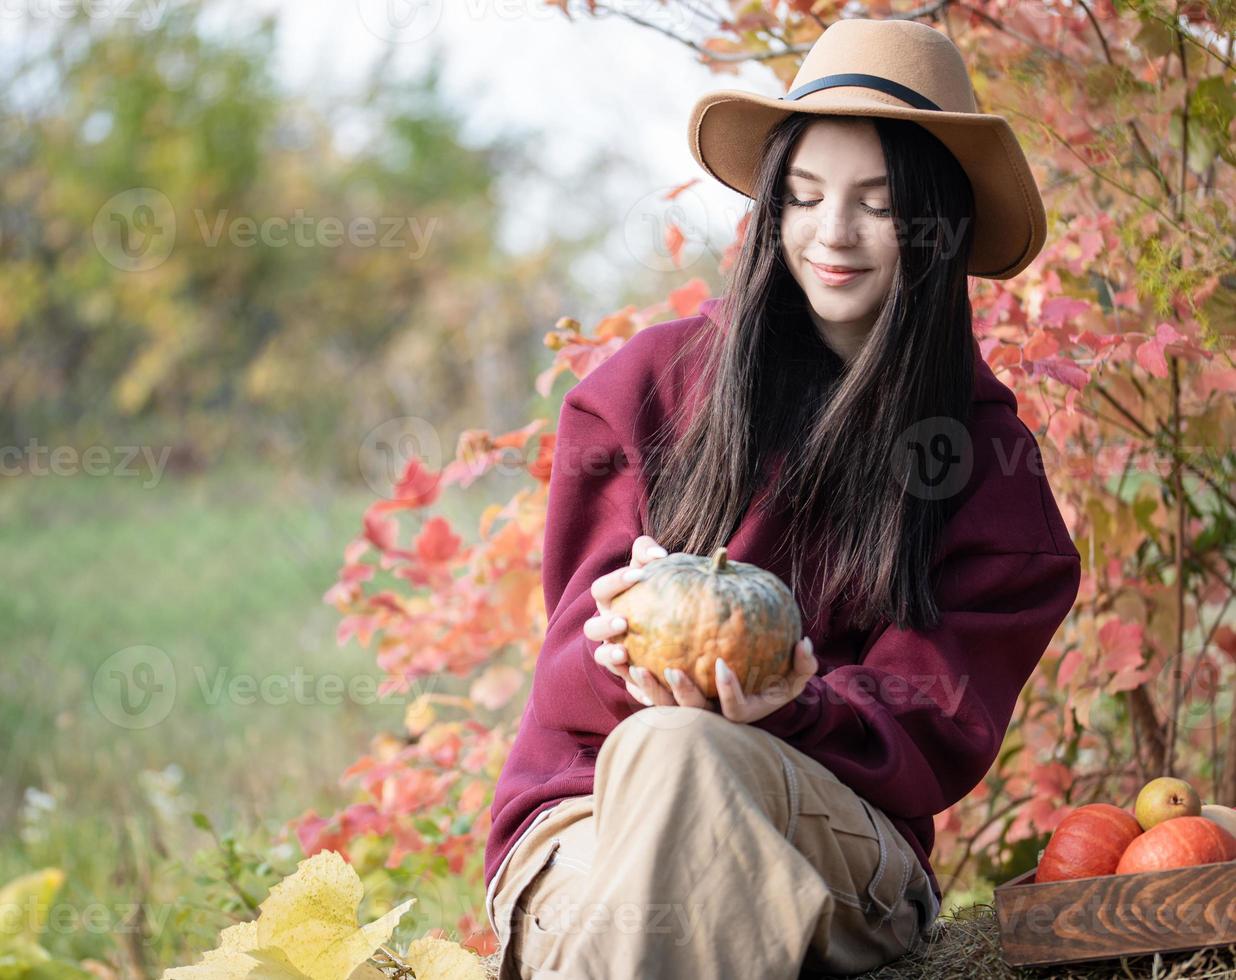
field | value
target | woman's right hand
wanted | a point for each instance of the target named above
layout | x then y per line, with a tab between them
606	626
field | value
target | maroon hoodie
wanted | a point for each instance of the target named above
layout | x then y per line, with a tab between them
911	720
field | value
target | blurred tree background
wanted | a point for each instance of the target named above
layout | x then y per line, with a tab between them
215	288
191	260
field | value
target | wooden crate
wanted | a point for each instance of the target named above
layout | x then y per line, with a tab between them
1116	915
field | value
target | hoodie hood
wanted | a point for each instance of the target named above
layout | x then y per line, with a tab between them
987	387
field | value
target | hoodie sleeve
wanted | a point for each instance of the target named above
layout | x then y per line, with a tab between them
592	520
917	722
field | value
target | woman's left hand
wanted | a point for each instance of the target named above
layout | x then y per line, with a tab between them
734	703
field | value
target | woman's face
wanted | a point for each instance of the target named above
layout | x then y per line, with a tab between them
832	216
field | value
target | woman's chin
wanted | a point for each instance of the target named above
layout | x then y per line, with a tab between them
834	312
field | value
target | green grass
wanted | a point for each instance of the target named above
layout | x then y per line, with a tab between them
224	574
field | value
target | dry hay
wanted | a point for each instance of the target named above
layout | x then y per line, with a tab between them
965	945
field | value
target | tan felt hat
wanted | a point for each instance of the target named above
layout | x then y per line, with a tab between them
900	69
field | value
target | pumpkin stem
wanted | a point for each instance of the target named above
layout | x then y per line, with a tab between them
718	560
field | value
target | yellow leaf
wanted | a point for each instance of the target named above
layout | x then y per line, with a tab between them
25	902
442	959
311	916
229	961
366	971
419	715
306	930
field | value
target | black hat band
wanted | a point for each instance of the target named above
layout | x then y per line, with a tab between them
880	84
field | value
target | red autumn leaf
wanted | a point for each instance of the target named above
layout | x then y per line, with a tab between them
1225	637
320	834
673	192
381	532
1218	379
417	487
1121	646
1068	667
686	300
730	255
541	465
407	840
518	438
1095	342
583	358
1151	353
1150	356
436	543
456	849
361	627
1062	369
1063	309
623	323
674	239
1039	345
362	818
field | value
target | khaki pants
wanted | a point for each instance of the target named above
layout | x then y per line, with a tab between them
711	849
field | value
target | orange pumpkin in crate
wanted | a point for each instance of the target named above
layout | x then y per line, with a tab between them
1088	842
690	609
1178	842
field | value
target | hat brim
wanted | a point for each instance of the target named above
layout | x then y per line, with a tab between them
726	131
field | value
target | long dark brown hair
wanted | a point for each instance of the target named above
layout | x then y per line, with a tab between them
774	389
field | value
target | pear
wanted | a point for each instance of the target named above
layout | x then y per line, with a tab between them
1164	798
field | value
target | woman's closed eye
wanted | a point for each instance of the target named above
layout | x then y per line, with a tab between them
794	202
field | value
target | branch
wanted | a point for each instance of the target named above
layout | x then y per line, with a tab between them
1226	62
1178	485
737	57
1189	232
1028	41
1200	474
1147	722
1137	135
1184	126
968	850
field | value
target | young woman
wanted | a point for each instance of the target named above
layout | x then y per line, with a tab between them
829	420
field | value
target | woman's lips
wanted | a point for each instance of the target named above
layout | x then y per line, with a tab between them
835	278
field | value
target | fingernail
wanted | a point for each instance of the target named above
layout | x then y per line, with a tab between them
723	670
619	623
673	675
616	656
810	646
638	674
633	575
657	552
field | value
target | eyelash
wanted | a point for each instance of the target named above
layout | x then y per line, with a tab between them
793	202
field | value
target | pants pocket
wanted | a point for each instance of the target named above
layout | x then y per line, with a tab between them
535	940
547	909
867	867
509	905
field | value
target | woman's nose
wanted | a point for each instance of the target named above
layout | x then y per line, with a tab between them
836	224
